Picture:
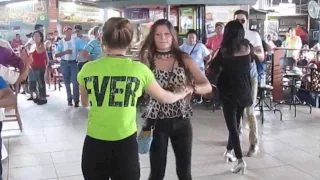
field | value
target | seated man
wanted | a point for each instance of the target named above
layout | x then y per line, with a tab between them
7	98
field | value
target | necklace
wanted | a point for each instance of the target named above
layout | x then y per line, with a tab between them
116	55
163	55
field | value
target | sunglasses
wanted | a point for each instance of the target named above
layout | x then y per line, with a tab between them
242	21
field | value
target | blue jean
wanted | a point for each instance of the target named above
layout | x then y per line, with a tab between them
39	73
0	151
69	71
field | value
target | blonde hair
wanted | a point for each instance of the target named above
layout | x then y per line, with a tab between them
90	32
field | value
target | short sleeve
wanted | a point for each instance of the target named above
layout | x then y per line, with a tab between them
80	44
257	40
13	60
147	76
209	42
80	76
59	47
205	50
3	83
182	47
89	47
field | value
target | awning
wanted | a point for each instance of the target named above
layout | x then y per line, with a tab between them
121	3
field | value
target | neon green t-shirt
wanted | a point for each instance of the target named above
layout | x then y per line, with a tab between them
113	85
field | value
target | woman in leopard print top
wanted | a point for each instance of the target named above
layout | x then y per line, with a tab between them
173	70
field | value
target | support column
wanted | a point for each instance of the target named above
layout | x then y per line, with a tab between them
52	15
168	12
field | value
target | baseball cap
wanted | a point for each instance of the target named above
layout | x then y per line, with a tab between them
219	24
78	27
66	28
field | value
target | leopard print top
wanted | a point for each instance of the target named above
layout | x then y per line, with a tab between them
156	110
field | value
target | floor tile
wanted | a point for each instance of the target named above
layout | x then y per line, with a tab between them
66	156
15	150
294	156
263	160
72	178
50	147
284	172
310	167
33	173
30	160
68	169
26	140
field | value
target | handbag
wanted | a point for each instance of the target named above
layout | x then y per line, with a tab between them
8	74
145	138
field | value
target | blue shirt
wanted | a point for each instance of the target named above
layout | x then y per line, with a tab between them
3	83
78	45
198	54
94	49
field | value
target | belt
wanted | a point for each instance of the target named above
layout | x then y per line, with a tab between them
69	61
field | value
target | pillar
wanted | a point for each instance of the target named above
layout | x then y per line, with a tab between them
52	15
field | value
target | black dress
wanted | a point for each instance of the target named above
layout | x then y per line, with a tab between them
234	82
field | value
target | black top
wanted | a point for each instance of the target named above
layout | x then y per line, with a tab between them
234	82
278	43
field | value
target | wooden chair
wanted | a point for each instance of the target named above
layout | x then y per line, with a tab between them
15	117
57	79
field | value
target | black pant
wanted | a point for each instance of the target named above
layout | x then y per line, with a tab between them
40	73
179	131
215	98
80	65
233	114
118	160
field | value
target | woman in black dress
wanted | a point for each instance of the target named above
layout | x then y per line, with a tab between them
233	61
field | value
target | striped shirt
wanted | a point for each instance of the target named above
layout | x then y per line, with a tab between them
94	49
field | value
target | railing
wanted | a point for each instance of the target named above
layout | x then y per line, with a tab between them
310	78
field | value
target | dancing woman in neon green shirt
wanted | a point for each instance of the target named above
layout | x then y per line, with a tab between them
111	85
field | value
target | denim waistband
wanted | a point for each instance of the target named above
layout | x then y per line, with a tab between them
69	61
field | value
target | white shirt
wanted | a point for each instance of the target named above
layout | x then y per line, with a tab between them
2	114
200	51
253	37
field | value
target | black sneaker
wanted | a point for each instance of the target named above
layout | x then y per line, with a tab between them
70	103
30	99
35	100
218	107
76	104
42	102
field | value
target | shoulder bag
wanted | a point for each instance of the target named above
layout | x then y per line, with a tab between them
145	137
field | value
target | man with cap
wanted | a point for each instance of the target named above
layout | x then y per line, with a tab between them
215	41
68	49
78	33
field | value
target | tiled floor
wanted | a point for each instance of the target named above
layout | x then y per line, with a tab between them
49	148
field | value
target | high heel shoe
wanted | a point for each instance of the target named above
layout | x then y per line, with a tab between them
240	167
229	157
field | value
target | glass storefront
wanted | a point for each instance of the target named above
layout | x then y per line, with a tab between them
21	17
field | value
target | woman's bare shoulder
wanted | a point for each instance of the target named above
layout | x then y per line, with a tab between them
244	50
